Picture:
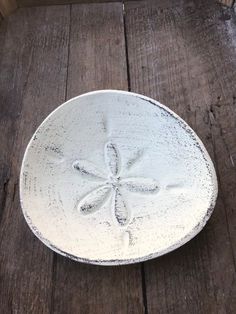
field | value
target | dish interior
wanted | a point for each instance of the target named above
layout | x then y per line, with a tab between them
114	177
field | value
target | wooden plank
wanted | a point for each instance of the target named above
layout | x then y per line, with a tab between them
184	54
7	7
10	94
97	49
33	72
97	61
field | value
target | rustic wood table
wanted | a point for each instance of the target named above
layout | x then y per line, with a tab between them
182	53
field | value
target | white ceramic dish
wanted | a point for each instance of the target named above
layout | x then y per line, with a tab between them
112	177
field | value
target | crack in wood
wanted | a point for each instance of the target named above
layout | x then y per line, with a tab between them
4	196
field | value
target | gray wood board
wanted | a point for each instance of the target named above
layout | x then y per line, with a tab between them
184	55
33	80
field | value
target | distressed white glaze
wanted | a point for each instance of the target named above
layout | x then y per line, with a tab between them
112	177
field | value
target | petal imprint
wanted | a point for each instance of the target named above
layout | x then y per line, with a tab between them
120	208
140	185
135	159
94	200
87	168
112	158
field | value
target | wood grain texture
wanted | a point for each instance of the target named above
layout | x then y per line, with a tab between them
97	57
183	53
7	7
33	81
96	61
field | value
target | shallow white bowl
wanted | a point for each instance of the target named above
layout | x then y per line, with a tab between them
112	177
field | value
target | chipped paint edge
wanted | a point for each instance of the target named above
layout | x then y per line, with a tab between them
200	225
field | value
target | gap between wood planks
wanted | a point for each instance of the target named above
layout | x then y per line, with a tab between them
143	277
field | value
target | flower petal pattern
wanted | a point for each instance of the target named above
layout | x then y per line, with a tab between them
113	184
87	168
94	200
140	185
120	208
112	158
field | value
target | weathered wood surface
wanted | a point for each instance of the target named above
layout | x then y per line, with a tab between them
180	52
33	80
183	53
